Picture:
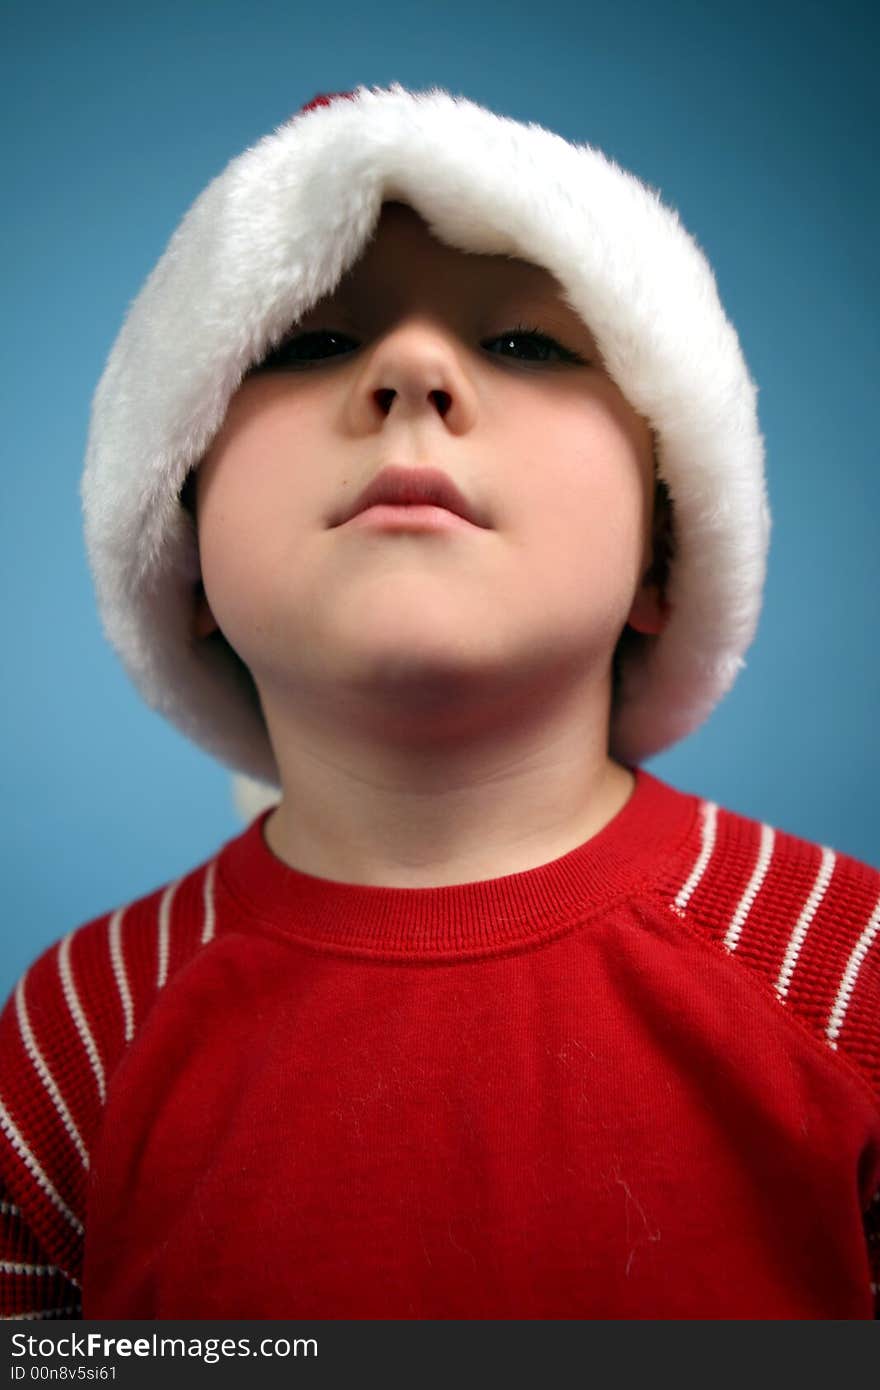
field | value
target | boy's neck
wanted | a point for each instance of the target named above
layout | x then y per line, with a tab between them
446	813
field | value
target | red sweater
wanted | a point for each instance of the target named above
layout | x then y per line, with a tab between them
640	1081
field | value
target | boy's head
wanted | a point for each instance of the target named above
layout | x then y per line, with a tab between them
425	356
361	290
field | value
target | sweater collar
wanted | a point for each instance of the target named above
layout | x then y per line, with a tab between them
464	920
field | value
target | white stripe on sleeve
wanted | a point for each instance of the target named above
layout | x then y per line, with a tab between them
848	983
76	1009
32	1164
759	873
118	959
48	1080
709	811
796	941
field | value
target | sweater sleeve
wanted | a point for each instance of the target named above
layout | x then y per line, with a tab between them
63	1031
50	1107
31	1286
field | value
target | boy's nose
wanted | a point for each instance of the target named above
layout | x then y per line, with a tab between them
414	371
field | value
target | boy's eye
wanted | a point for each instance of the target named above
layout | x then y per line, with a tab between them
521	343
304	348
542	347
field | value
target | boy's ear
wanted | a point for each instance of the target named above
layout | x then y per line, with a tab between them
204	622
650	611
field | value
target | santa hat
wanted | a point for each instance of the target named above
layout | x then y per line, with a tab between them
272	234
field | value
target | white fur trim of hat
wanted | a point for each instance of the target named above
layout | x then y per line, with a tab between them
272	234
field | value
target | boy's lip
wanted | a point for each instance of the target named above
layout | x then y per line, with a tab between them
400	487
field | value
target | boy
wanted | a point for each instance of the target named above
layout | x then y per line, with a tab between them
425	484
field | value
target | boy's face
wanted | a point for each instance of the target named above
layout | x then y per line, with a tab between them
424	370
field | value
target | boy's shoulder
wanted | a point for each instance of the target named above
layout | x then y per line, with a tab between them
739	861
803	917
64	1028
81	1001
128	951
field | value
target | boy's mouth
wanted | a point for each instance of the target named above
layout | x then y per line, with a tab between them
396	490
412	516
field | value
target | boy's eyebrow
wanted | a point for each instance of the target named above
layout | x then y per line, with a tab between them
339	296
336	304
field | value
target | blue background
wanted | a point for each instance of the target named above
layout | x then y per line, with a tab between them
755	120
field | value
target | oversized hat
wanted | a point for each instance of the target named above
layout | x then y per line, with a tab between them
272	234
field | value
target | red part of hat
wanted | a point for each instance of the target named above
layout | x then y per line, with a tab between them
325	98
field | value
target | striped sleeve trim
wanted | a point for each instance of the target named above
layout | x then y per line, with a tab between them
753	888
850	975
802	926
34	1167
208	894
165	932
45	1075
82	1026
802	915
117	956
708	826
29	1280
